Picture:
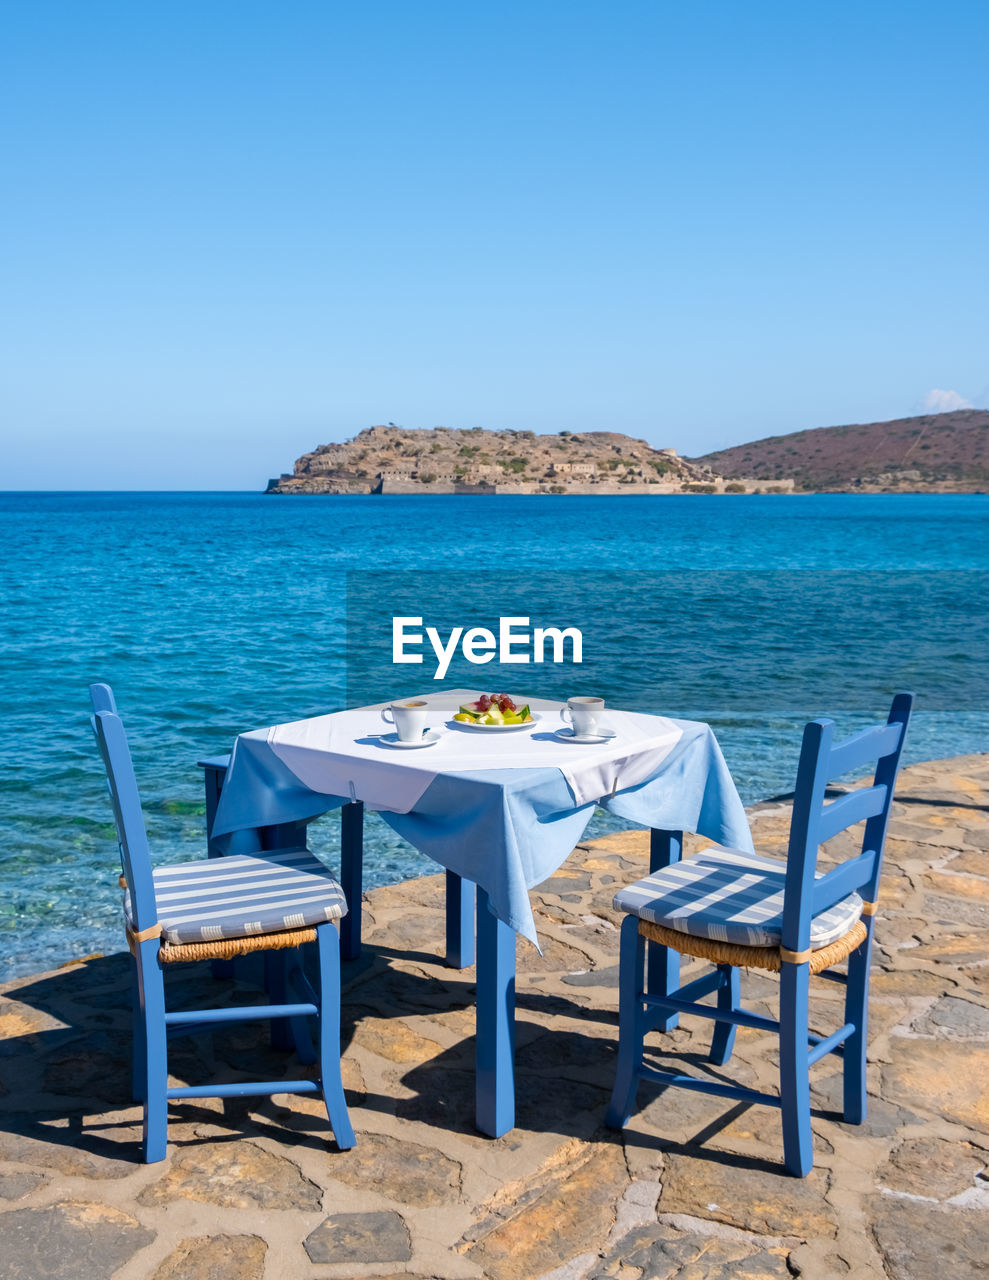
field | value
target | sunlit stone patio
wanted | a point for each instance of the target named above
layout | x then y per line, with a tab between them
693	1188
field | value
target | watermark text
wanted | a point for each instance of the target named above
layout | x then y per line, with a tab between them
514	643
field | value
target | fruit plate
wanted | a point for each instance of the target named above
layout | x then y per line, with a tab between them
496	728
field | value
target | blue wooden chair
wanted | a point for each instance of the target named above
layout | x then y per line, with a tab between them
219	908
743	910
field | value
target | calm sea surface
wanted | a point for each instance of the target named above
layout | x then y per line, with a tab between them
210	614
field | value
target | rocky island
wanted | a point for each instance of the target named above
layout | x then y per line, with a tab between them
390	460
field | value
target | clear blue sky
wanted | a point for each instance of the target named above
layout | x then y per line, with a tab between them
234	230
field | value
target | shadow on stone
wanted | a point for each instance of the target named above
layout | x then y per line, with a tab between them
66	1065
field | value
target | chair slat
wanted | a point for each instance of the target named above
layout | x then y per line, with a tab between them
738	1017
244	1089
842	880
828	1044
847	810
863	748
737	1093
243	1013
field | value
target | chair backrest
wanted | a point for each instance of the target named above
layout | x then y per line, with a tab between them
135	857
101	696
815	821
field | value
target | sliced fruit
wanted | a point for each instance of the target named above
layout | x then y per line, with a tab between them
492	709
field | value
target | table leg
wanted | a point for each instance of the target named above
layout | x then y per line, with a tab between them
351	876
251	841
286	835
662	963
459	921
214	773
495	1064
213	776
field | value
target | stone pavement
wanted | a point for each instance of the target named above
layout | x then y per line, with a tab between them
255	1189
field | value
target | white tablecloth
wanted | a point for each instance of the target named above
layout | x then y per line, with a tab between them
341	753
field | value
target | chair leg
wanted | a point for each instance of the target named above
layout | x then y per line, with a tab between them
301	1040
729	999
663	963
152	996
663	979
275	963
631	1024
328	948
798	1149
286	1033
857	1013
139	1045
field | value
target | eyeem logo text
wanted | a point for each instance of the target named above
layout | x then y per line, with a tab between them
513	643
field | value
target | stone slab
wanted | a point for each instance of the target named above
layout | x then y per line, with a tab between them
731	1190
942	1078
665	1252
922	1241
69	1240
239	1175
219	1257
360	1238
559	1213
932	1167
406	1172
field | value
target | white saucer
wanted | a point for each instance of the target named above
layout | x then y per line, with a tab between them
429	739
585	739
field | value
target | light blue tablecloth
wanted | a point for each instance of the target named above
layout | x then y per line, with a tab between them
506	830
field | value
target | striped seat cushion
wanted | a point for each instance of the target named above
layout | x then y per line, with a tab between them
729	896
243	895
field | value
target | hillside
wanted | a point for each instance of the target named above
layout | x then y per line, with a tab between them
941	452
391	459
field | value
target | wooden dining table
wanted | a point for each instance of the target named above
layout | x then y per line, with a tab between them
499	811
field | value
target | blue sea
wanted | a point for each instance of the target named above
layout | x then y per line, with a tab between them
210	614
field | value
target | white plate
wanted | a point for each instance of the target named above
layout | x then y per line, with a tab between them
429	739
495	728
585	739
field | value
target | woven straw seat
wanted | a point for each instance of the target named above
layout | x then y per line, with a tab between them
228	948
744	957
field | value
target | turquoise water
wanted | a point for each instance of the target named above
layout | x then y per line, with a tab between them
210	614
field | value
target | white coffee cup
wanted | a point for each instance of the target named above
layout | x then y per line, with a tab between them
584	715
409	719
